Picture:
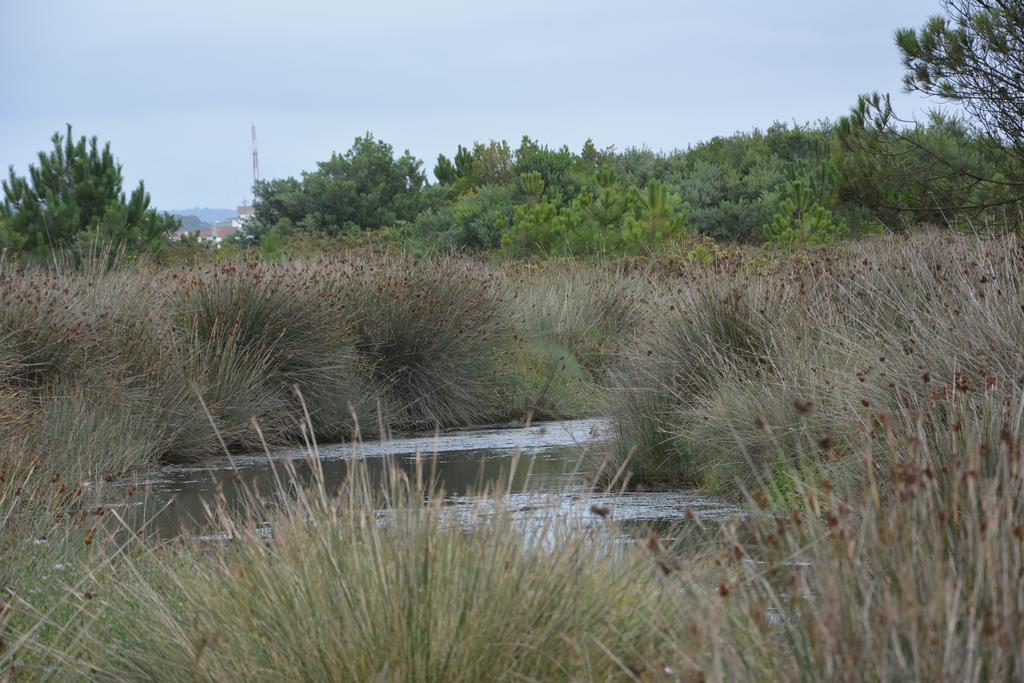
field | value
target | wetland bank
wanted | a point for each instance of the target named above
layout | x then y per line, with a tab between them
849	417
749	410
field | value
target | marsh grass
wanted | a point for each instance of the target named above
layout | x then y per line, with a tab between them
356	583
864	402
818	346
252	333
179	361
571	319
432	333
689	358
924	584
590	310
391	584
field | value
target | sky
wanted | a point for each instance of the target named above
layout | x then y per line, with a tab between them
175	84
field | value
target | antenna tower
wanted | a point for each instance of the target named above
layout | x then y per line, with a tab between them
255	157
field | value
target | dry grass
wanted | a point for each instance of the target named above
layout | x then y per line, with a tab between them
866	403
817	347
124	367
926	584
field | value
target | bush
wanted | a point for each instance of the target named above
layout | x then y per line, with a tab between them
474	222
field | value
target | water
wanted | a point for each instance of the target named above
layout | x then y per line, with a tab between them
545	466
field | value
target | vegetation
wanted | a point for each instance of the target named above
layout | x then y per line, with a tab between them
120	367
956	168
364	188
866	173
862	400
74	197
818	348
784	186
684	351
913	575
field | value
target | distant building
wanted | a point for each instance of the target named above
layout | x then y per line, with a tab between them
221	229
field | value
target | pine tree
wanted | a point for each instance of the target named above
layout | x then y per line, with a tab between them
800	220
660	218
76	192
445	171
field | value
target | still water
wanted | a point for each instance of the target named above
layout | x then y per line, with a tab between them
545	466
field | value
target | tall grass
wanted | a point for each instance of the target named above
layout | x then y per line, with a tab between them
88	358
251	334
924	584
123	366
356	584
432	333
571	319
866	404
817	347
754	349
588	309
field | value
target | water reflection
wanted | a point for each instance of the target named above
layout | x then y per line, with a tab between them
541	467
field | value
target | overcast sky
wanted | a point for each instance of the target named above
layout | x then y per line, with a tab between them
174	84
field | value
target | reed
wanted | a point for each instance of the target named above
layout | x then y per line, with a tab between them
818	345
392	584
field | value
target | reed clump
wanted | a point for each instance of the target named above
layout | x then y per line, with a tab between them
355	584
432	333
922	583
570	320
253	337
817	347
122	366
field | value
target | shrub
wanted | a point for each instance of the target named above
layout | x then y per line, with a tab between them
474	222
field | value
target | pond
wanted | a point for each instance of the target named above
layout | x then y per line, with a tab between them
542	466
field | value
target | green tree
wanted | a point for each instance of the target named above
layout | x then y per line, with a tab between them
800	220
475	221
532	185
365	188
537	229
660	218
932	172
973	57
492	164
563	172
445	170
75	194
603	210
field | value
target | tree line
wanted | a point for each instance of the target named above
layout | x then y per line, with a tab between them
789	185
